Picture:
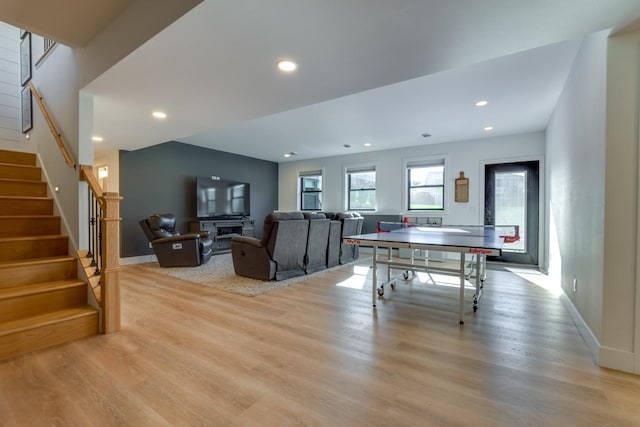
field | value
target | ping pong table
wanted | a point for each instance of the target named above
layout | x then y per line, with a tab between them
481	241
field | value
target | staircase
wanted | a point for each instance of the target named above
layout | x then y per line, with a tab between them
42	301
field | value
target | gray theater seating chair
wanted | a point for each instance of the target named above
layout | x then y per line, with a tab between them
351	225
172	248
335	241
343	224
279	254
317	242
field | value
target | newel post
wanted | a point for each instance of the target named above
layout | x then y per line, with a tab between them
110	276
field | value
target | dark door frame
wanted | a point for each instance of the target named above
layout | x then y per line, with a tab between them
534	226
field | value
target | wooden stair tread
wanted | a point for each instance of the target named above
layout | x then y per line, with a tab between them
19	180
28	216
18	157
18	165
26	323
29	238
35	261
25	198
19	291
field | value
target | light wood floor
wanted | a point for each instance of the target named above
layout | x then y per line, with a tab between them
318	354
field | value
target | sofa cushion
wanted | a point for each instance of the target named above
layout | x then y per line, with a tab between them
314	215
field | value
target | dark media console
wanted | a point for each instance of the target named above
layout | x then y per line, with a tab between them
222	230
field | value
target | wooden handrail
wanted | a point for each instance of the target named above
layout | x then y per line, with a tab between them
86	174
56	135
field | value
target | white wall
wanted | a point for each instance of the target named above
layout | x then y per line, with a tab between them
621	297
575	178
60	79
10	123
592	158
467	156
111	159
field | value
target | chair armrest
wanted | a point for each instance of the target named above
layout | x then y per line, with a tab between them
250	259
203	233
180	238
251	241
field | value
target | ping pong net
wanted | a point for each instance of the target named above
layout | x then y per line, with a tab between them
509	233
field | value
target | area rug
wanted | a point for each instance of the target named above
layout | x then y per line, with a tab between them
218	273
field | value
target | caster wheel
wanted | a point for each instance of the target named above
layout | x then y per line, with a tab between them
475	309
393	286
405	275
380	292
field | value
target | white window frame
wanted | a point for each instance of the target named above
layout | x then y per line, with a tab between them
356	169
306	174
437	159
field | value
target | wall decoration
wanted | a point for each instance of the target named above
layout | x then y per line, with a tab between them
25	60
27	112
462	188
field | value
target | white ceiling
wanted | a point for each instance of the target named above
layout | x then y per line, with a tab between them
375	71
71	22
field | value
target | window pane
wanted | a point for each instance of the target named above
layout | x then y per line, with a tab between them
511	205
362	180
311	201
362	190
426	198
426	175
312	183
362	200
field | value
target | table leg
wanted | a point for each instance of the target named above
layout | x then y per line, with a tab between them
374	286
389	258
484	270
462	279
476	296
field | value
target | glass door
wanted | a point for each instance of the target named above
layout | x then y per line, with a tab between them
511	198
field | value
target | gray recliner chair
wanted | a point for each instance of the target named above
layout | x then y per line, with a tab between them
172	248
279	254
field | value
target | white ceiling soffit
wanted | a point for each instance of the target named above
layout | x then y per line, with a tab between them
522	90
70	22
215	68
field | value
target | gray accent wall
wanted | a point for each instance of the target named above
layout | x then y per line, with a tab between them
161	179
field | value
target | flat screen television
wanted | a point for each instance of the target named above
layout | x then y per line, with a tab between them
221	198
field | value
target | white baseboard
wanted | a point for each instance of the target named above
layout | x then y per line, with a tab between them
138	259
606	357
592	342
614	358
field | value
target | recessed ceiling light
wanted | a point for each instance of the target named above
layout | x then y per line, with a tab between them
97	138
488	128
367	144
159	114
286	65
290	154
481	103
